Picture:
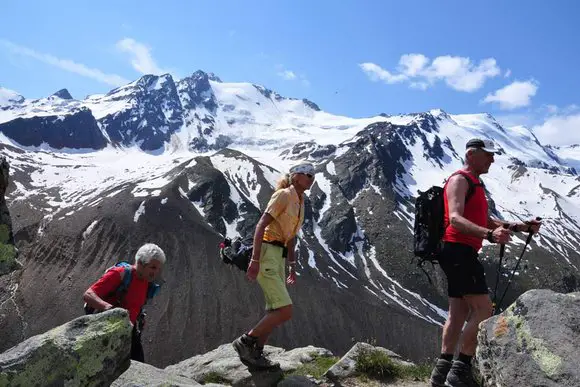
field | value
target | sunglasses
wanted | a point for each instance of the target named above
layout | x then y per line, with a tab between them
310	176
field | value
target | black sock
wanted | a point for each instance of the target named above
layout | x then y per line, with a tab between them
250	340
465	358
446	356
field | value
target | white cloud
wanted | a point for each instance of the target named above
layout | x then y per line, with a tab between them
141	58
287	75
551	109
459	73
65	64
559	130
413	64
508	73
290	75
419	85
515	95
377	73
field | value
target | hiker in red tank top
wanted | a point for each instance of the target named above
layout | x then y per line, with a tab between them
467	223
475	210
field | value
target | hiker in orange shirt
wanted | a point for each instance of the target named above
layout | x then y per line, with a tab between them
274	240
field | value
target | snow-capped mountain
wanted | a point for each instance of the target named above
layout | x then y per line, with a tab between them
9	97
186	162
197	113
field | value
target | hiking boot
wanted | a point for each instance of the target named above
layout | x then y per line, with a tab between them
245	346
261	361
439	373
460	375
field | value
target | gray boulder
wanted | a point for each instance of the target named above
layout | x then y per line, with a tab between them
535	342
346	367
87	351
145	375
224	365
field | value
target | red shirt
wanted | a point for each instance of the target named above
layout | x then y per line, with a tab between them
135	296
475	211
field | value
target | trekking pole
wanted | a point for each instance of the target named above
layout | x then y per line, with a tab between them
528	240
501	255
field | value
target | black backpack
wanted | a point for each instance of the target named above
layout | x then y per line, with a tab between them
429	218
236	252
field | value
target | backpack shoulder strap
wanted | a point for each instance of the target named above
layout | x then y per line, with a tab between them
126	275
472	185
152	290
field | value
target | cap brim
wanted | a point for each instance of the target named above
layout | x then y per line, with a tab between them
494	151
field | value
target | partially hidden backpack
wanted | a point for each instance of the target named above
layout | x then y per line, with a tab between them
236	252
121	291
429	221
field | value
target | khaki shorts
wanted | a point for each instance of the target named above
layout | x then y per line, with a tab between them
272	277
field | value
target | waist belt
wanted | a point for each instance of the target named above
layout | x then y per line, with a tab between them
279	244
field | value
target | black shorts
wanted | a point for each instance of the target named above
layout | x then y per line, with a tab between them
465	274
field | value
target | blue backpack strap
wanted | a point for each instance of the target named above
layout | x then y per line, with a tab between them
152	290
124	286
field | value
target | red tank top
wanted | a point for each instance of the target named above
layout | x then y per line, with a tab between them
475	210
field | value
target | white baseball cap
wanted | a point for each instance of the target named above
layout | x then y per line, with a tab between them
485	145
306	168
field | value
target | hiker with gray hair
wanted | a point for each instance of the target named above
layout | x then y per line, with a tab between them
274	241
129	287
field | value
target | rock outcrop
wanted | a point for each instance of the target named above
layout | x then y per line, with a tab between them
88	351
535	342
224	365
145	375
8	252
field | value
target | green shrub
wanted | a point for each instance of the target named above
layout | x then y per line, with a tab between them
214	377
317	367
376	364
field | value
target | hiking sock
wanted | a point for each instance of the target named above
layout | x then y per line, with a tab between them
446	356
466	359
249	340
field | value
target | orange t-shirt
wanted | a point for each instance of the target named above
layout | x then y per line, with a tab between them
287	209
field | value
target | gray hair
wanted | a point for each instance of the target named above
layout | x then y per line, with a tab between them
471	150
149	252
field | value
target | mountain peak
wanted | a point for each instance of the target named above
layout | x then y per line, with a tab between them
438	113
154	81
311	104
200	74
63	94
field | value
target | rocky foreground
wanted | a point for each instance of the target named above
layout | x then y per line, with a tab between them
533	343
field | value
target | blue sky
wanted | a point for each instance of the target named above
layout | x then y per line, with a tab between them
517	60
